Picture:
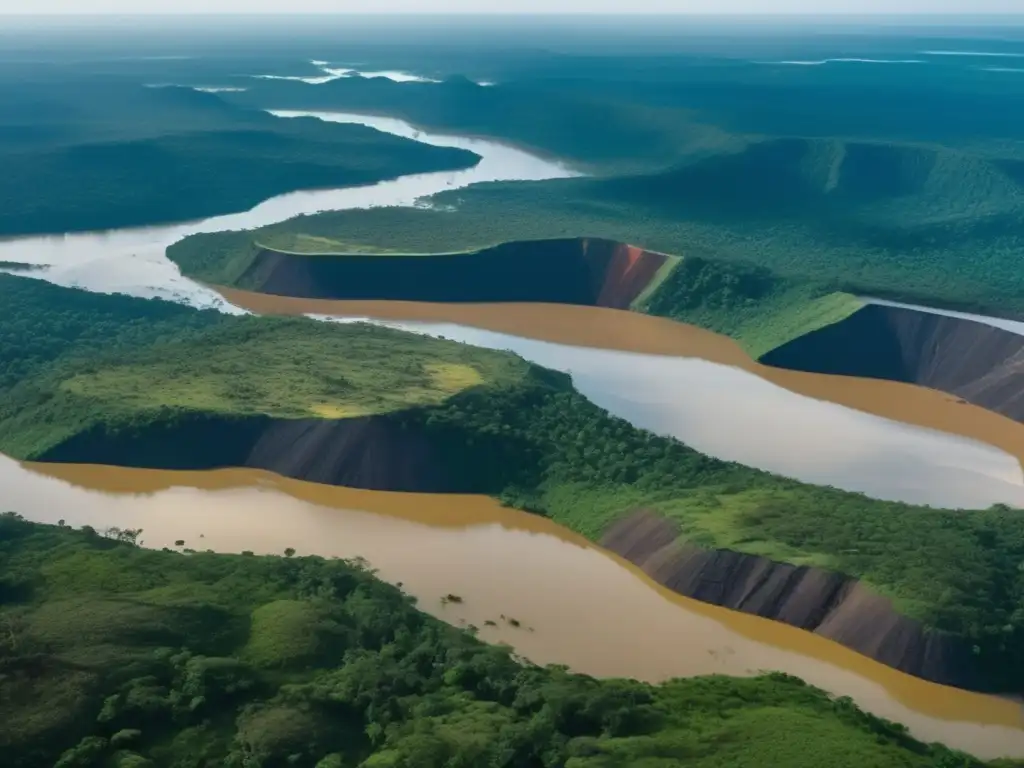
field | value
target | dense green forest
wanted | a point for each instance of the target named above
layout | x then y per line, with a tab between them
886	248
136	155
115	656
755	306
529	439
882	191
612	112
70	359
589	130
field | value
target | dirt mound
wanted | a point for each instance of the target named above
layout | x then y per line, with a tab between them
829	604
583	271
977	362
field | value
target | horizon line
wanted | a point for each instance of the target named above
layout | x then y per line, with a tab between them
718	14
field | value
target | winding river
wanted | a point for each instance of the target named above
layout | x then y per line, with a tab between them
574	604
132	261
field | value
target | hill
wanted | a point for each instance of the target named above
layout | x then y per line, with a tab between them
915	224
97	171
611	110
941	588
588	130
72	360
880	190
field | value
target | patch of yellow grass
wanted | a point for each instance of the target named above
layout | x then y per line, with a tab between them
335	411
453	377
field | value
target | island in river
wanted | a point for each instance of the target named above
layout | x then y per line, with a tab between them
131	382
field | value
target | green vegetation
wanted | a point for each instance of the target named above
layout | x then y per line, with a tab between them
135	155
564	457
589	130
909	221
115	656
71	360
518	432
758	308
755	307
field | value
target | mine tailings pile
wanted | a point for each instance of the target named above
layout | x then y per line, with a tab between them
584	271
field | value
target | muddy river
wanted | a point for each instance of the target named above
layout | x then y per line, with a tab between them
575	603
886	439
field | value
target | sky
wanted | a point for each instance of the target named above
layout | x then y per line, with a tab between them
509	6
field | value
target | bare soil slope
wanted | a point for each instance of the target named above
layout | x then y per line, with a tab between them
982	364
572	271
826	603
371	452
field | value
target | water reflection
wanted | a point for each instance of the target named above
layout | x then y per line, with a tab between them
577	604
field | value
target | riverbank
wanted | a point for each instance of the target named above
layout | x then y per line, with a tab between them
781	322
133	261
529	439
212	157
561	602
215	637
639	333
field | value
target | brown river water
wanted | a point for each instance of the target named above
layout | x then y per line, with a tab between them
576	604
887	439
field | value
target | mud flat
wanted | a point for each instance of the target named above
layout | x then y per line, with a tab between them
575	603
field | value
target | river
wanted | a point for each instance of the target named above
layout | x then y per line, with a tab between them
886	439
731	410
133	261
576	604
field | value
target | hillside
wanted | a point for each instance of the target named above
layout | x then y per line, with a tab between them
117	655
759	309
588	131
678	95
73	360
209	157
977	362
913	223
935	579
